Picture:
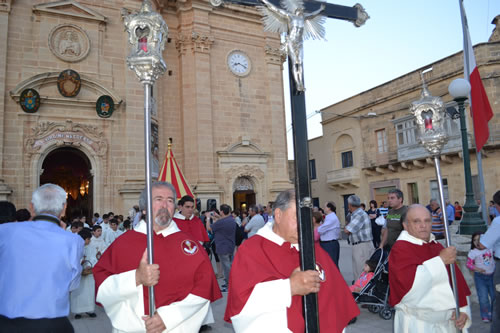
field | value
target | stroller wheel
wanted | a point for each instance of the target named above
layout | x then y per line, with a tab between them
374	308
386	313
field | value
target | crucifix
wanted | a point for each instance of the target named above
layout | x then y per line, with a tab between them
299	20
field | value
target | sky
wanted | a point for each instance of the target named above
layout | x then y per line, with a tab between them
400	36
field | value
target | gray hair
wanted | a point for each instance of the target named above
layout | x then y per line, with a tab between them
284	199
397	192
49	199
354	200
143	198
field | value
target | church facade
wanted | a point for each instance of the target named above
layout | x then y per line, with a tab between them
71	112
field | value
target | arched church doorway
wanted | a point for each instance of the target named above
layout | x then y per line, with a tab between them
70	168
243	193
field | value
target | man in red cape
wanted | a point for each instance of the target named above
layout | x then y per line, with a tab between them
184	289
419	279
188	222
266	285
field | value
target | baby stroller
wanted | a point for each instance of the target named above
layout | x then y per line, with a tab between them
375	294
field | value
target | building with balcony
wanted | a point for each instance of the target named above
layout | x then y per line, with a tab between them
370	142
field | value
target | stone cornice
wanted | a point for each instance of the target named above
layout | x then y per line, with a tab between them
195	42
5	6
275	55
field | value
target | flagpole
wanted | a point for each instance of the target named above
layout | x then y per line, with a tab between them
467	77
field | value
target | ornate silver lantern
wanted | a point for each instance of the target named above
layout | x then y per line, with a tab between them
147	34
429	112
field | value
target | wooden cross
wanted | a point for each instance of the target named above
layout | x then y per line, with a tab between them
357	16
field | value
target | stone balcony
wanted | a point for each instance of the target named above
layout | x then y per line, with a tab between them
343	178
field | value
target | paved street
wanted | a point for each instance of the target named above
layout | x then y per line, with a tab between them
367	322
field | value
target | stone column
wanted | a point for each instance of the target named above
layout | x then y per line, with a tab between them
193	45
279	160
5	191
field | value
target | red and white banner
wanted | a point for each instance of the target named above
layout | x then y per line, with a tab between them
480	105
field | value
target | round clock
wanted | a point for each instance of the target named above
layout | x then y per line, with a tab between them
239	63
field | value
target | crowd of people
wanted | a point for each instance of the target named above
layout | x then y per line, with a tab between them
104	260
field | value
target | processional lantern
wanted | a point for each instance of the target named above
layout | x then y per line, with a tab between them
147	33
430	113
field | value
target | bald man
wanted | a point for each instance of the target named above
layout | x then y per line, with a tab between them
419	279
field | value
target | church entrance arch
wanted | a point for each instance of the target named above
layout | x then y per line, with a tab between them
71	169
243	193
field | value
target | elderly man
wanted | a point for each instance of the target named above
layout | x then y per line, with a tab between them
40	264
360	233
183	291
419	279
491	240
256	221
266	284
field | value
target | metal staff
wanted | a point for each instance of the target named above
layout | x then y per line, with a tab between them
147	35
429	112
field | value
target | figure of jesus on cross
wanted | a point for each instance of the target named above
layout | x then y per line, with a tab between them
296	22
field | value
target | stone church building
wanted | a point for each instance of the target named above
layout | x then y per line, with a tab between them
71	112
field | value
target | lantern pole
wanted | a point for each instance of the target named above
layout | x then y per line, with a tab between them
429	112
147	35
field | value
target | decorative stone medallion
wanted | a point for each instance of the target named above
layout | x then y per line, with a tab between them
30	100
69	42
69	83
104	106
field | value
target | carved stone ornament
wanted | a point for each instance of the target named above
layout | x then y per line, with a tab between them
68	133
243	184
429	112
275	55
147	34
69	43
245	171
195	42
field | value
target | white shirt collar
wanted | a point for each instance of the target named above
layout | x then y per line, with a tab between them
267	232
171	229
179	216
404	235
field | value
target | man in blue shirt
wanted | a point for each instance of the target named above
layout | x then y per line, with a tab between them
40	264
491	240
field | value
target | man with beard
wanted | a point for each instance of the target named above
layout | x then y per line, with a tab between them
183	291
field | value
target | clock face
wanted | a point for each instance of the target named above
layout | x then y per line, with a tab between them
239	63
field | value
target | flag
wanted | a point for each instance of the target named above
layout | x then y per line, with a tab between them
480	105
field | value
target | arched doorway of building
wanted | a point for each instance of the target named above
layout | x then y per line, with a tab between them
243	193
70	168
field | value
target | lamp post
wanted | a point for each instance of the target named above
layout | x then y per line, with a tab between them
429	112
459	89
147	33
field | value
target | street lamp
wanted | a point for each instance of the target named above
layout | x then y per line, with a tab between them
459	89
